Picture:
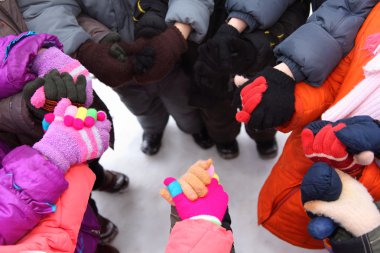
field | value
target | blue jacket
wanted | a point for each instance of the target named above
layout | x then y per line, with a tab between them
314	49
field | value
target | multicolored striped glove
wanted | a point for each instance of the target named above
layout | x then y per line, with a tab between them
73	135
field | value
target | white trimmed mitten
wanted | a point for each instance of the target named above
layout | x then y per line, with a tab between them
354	210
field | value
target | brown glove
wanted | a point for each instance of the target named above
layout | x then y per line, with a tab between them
99	60
166	49
193	182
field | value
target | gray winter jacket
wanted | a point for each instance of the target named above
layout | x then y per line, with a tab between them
314	49
59	17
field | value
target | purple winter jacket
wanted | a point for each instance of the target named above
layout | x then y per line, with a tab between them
29	186
15	71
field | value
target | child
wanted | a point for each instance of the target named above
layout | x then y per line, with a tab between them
33	178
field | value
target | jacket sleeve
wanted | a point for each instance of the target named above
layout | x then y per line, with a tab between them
314	50
199	236
265	40
257	13
94	28
16	118
30	185
55	17
58	231
196	13
16	55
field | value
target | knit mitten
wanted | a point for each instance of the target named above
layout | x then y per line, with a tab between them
54	87
354	210
74	135
194	182
267	102
53	58
166	48
211	207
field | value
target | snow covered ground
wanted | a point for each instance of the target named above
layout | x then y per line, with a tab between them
140	213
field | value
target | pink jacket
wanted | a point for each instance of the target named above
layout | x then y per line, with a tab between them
199	236
58	232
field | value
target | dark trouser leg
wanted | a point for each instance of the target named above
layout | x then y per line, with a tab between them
175	94
261	135
98	171
220	122
226	222
143	101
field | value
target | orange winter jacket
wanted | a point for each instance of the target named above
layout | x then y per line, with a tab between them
280	209
58	232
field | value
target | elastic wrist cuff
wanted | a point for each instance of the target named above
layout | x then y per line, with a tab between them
294	67
210	218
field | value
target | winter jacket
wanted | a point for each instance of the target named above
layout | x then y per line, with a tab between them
280	208
30	185
11	20
313	50
17	53
199	236
58	231
59	17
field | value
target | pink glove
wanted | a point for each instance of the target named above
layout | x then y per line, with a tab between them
211	207
73	137
53	58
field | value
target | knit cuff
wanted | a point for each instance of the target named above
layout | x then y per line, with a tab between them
228	29
52	154
294	67
278	76
51	58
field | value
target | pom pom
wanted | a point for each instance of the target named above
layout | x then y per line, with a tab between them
243	117
78	124
89	121
321	227
68	120
364	158
102	116
49	117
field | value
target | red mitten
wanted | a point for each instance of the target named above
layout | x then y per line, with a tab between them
324	146
251	96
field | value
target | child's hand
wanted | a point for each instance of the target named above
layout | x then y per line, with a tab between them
354	210
42	94
74	135
211	207
194	181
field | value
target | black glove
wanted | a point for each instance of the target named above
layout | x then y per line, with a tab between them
229	50
275	107
56	86
149	17
210	80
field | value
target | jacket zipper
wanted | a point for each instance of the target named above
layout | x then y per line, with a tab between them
280	202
